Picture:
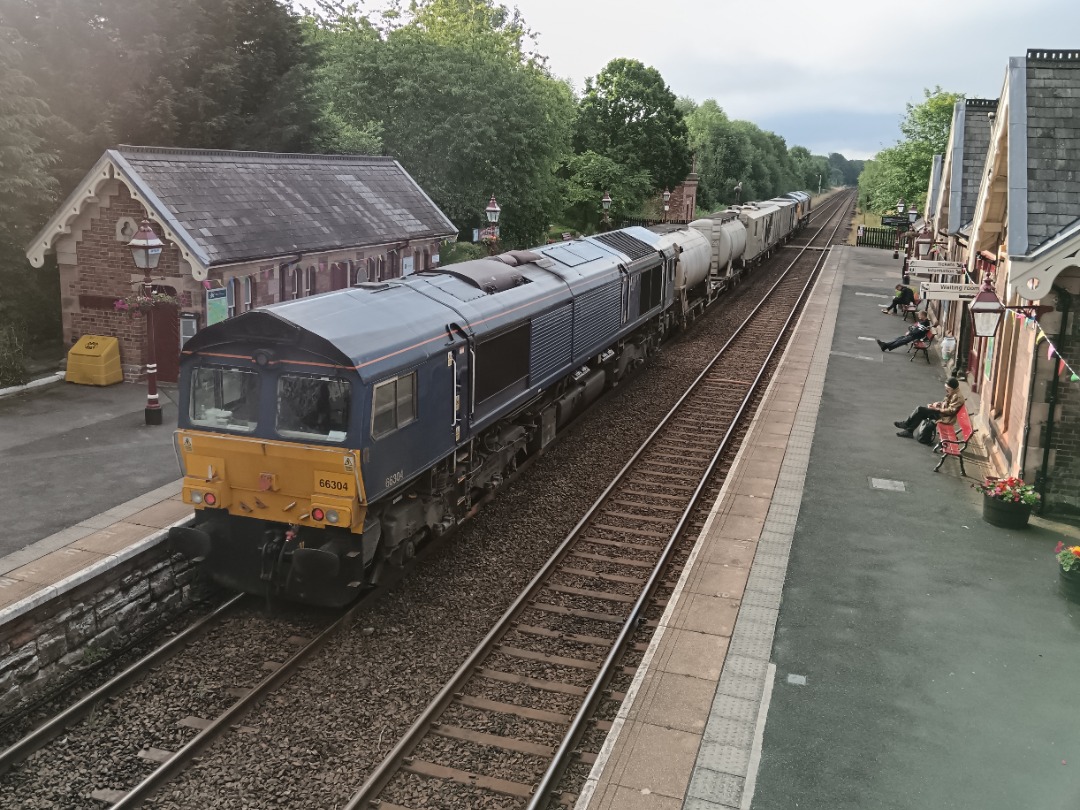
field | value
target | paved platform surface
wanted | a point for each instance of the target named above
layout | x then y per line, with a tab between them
82	481
848	633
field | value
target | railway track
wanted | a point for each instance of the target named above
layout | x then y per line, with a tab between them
549	664
515	713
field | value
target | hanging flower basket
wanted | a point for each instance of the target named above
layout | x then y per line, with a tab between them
135	305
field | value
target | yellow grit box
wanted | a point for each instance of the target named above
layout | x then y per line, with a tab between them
94	360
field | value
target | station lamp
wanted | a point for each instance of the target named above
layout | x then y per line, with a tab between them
986	309
146	250
492	211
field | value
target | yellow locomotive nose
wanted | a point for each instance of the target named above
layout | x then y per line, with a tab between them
280	482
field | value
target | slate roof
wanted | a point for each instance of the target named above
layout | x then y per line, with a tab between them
1053	144
977	124
238	206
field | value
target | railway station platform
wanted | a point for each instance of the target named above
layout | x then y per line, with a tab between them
84	485
848	633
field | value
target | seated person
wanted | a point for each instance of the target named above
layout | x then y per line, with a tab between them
944	411
902	297
917	331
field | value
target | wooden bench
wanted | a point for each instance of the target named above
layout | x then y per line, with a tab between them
951	443
911	309
921	345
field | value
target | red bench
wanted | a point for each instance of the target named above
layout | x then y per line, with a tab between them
911	309
921	345
953	443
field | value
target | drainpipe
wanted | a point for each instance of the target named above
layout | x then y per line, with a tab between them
1027	415
1064	307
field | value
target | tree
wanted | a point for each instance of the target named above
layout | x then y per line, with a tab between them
629	115
456	98
29	300
588	177
903	170
226	74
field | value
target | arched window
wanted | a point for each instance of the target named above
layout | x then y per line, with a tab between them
309	289
232	289
381	271
297	281
249	293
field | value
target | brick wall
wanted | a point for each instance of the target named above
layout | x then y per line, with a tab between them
103	271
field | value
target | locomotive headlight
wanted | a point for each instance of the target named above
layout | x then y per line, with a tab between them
331	516
196	497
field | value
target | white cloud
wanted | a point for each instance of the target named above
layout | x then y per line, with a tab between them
791	60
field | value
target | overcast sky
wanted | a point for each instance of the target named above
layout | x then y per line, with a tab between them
832	76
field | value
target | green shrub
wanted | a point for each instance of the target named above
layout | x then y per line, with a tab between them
12	357
461	252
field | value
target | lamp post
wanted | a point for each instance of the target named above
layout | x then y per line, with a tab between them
667	198
900	208
146	250
605	203
492	213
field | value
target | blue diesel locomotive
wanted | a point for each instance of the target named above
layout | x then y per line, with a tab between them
326	438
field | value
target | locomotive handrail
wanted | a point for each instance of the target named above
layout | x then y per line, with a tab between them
385	770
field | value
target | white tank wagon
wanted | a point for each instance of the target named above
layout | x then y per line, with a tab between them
786	218
759	221
727	237
691	271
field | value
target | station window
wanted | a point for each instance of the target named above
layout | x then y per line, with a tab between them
224	398
249	293
310	277
313	407
393	404
231	296
297	281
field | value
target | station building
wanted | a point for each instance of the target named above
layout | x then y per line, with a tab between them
1004	202
241	229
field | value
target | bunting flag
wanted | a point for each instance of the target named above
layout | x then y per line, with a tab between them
1063	365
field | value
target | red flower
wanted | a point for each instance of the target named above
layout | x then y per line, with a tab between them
1059	547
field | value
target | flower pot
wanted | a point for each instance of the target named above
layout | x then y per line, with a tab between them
1006	514
1069	584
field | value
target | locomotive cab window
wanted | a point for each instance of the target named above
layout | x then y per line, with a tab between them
393	405
313	407
223	397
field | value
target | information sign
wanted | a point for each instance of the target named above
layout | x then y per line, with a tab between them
931	266
932	291
217	305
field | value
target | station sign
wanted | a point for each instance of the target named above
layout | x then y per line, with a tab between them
930	266
947	292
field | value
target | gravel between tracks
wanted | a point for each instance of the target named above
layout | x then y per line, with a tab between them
313	743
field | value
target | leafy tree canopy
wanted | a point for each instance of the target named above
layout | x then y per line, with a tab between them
629	115
588	177
903	170
450	90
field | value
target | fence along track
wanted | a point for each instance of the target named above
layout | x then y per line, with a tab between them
545	665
